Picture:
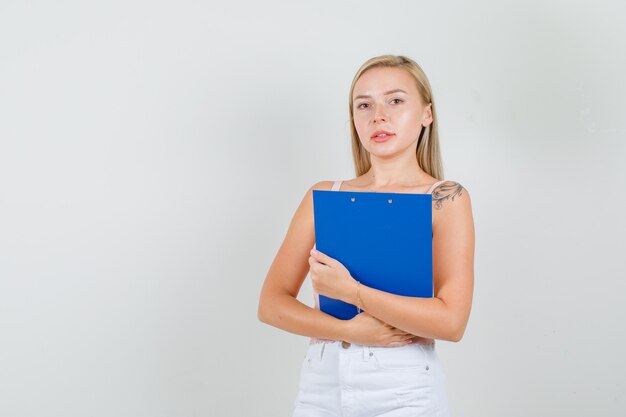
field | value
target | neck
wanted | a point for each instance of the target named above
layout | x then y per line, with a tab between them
382	175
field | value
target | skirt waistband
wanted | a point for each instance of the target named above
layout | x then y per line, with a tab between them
348	345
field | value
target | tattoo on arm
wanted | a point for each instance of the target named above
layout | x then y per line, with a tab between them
446	191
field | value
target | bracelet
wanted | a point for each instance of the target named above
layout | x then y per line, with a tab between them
358	299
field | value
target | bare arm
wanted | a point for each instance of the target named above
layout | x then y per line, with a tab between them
278	305
444	316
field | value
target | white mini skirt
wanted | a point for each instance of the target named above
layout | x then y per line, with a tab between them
350	380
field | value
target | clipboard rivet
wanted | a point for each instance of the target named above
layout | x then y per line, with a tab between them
353	199
389	201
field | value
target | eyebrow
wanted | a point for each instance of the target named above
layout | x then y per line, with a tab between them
397	90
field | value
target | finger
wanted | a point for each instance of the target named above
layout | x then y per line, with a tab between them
397	344
313	259
401	338
321	257
314	263
401	332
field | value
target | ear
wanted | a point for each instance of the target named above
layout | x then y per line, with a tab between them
427	115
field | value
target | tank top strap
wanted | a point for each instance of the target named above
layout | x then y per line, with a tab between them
430	190
336	186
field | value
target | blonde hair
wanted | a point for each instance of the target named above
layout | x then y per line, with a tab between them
427	152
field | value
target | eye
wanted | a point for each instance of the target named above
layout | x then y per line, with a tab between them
359	106
400	100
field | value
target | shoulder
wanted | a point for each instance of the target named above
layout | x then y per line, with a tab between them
452	210
450	193
322	185
307	199
302	222
304	212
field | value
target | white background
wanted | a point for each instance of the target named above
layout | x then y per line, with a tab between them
152	155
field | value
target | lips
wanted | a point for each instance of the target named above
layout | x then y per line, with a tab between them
382	136
380	132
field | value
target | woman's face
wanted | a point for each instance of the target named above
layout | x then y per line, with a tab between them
386	99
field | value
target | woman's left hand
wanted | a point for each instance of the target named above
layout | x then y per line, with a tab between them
330	278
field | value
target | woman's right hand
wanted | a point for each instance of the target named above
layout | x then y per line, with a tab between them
365	329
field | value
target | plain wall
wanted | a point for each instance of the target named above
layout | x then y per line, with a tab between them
152	155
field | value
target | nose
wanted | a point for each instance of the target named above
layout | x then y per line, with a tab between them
379	116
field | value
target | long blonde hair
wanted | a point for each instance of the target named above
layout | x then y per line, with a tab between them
427	153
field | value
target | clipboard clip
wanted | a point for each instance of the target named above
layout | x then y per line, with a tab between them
353	199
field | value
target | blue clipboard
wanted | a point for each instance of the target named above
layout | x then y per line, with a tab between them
383	239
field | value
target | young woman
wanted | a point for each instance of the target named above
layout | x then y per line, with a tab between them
383	361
